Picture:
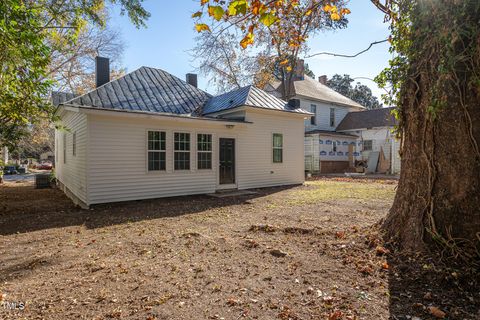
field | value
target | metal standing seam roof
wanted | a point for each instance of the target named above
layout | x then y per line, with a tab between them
151	90
59	97
145	89
367	119
248	96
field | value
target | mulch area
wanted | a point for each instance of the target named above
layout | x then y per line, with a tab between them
259	256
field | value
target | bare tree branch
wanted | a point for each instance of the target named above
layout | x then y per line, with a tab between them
346	55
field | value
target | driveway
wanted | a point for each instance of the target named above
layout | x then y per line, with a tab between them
27	177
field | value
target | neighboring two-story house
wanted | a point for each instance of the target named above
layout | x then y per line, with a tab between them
326	150
341	130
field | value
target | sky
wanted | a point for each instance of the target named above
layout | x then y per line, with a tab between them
169	36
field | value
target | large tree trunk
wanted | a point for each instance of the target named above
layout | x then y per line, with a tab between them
438	196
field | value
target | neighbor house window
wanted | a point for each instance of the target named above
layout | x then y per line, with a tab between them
313	119
334	146
182	151
204	151
74	144
332	117
367	145
156	151
64	148
277	148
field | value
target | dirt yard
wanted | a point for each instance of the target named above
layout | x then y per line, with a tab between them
304	252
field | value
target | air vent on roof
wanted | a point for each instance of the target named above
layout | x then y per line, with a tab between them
294	103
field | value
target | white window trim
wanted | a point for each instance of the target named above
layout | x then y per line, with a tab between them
363	145
332	123
199	151
273	148
192	150
314	118
148	150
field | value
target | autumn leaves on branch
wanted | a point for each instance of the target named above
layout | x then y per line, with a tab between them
253	15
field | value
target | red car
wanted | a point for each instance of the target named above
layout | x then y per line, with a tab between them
44	166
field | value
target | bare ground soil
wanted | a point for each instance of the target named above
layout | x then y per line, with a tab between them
304	252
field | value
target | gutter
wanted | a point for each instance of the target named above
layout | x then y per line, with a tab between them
94	110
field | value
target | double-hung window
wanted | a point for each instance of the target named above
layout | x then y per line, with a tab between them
74	144
156	151
313	119
367	145
204	151
332	117
182	151
277	148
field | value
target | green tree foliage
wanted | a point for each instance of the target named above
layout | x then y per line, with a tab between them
29	31
23	61
359	93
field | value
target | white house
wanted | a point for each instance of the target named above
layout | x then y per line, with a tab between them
326	150
340	130
149	134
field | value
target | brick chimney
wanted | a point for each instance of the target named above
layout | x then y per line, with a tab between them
323	79
192	79
299	70
102	71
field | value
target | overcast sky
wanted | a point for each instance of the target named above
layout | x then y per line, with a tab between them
170	34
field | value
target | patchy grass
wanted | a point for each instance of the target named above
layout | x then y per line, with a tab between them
298	253
326	190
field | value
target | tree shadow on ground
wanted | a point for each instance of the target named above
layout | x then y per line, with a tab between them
421	287
25	209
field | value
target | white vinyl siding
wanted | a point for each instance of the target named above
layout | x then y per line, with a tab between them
322	117
70	170
117	151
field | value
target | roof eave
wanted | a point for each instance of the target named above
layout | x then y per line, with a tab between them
332	102
243	107
94	110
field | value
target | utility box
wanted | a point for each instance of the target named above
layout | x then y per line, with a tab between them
42	181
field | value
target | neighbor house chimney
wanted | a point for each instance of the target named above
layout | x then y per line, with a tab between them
323	79
102	71
192	79
299	71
